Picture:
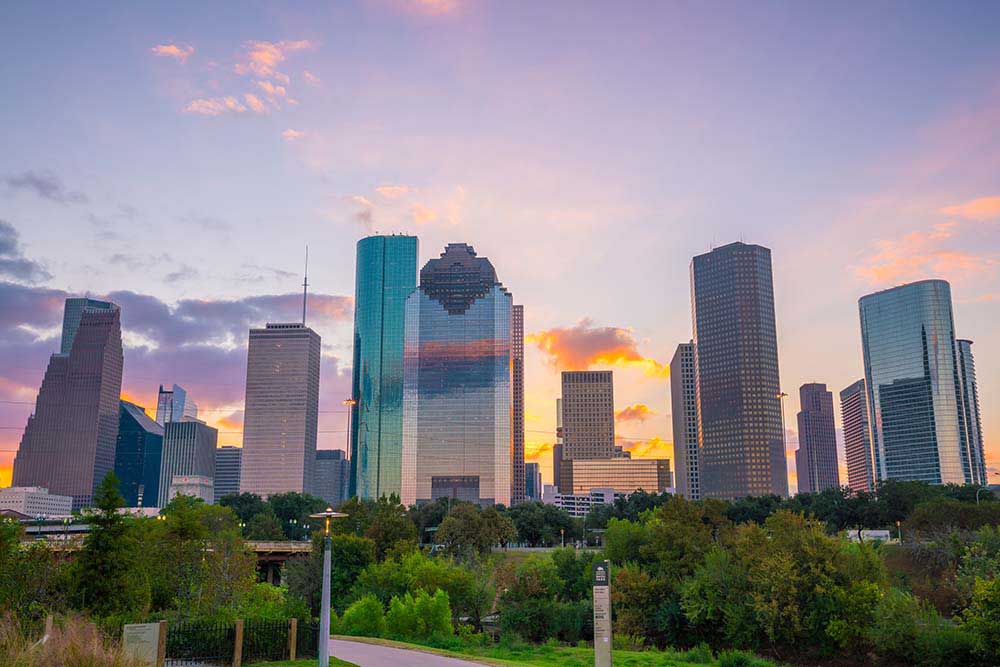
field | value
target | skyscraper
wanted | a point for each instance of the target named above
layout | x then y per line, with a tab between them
188	451
457	390
172	405
557	449
68	444
282	410
228	463
684	414
914	388
518	489
816	457
970	412
332	473
386	273
588	415
138	455
72	312
857	437
532	482
741	449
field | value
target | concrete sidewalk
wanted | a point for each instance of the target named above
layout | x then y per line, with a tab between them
370	655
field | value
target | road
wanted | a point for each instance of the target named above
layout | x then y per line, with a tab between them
370	655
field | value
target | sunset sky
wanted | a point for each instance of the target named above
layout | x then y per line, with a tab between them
177	159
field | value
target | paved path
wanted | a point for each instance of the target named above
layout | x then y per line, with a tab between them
370	655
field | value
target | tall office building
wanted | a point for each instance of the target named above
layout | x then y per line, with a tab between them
72	313
517	474
557	449
457	390
174	404
684	414
532	482
588	415
386	273
914	387
332	476
138	455
188	451
228	463
741	449
68	444
282	410
816	457
857	437
970	412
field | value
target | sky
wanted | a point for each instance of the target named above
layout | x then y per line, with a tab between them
178	157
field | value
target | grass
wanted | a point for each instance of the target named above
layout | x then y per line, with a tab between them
548	655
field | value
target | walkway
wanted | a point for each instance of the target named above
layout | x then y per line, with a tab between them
370	655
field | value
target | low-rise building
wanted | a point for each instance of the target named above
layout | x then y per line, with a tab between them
35	501
578	505
197	486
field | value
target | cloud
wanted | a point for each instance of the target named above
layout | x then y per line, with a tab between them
292	135
583	346
434	7
260	58
923	254
215	106
651	448
984	208
13	263
422	215
310	78
46	185
637	412
393	191
179	52
270	89
536	450
254	103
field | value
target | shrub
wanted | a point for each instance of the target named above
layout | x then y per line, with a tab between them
699	655
419	618
742	659
912	631
364	618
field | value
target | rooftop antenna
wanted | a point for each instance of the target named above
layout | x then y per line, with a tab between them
305	286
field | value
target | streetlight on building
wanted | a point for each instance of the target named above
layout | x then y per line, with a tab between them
324	605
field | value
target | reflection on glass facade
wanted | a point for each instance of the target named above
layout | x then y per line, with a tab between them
457	382
386	275
816	458
741	448
970	410
857	437
684	412
622	475
914	391
138	456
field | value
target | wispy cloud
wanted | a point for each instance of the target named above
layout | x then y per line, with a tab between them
393	191
984	208
421	214
46	185
254	103
261	58
310	78
584	346
13	263
638	412
179	52
215	106
292	135
651	448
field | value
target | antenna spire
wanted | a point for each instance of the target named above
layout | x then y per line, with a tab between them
305	286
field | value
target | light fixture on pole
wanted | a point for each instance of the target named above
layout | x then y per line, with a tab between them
324	604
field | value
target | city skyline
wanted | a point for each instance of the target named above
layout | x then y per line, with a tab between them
666	161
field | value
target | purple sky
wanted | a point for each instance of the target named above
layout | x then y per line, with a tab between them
180	157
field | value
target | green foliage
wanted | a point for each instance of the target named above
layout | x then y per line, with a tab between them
538	524
390	527
244	505
419	618
624	541
364	618
264	527
910	630
741	659
469	531
350	555
699	655
292	511
982	619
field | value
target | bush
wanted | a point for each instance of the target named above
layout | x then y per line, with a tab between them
742	659
419	618
699	655
912	631
364	618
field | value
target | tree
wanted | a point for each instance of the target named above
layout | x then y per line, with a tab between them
292	511
350	555
265	527
390	526
105	572
468	531
539	524
982	619
245	505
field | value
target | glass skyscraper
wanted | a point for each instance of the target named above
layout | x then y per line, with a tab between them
457	387
386	274
914	387
138	456
684	415
816	458
970	410
741	448
857	437
174	404
73	311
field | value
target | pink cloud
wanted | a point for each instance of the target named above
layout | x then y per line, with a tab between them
422	215
254	103
584	346
310	77
638	412
393	191
919	255
270	89
984	208
292	135
261	58
179	52
215	106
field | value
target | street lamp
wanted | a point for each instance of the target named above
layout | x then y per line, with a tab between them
562	536
291	528
324	606
984	487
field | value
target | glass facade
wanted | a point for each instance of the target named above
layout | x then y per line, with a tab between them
816	457
970	411
386	275
622	475
457	384
588	415
912	378
857	437
172	405
228	463
332	471
73	311
188	450
741	445
138	456
684	414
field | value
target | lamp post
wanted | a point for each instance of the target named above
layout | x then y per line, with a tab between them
324	604
984	487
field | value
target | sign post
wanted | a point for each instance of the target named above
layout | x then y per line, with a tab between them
145	643
602	614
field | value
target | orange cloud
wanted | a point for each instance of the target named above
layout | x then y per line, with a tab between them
920	255
637	412
422	215
310	77
583	346
984	208
292	135
393	191
179	52
215	106
261	58
6	472
651	448
270	89
254	103
537	450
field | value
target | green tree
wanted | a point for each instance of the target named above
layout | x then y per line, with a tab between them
265	527
350	555
105	573
539	524
390	526
245	505
292	511
469	531
364	618
982	620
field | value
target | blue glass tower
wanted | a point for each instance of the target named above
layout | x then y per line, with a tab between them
138	455
457	387
386	275
914	389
